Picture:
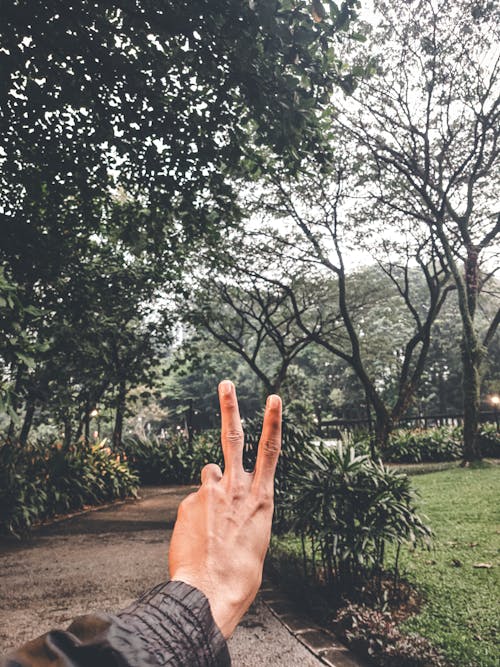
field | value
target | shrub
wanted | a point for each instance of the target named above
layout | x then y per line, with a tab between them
172	460
295	442
489	440
42	479
433	445
425	445
346	508
375	634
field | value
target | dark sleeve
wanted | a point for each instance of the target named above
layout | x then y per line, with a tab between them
169	625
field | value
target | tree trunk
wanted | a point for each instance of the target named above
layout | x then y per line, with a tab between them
471	391
87	421
120	414
15	402
318	413
28	420
188	420
471	357
383	428
79	430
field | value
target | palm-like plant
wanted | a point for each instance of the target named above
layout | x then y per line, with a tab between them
346	508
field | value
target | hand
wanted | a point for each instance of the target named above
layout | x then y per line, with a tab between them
222	531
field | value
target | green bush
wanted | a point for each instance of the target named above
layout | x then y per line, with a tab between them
425	445
172	460
433	445
489	440
346	508
42	479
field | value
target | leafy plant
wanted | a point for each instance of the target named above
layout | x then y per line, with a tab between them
489	440
172	460
43	479
346	508
375	634
432	445
425	445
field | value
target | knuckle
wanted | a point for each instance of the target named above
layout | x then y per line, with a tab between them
266	500
237	490
272	447
208	490
208	470
229	401
234	436
186	504
274	420
211	494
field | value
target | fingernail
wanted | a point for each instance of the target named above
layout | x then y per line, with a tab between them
226	387
273	401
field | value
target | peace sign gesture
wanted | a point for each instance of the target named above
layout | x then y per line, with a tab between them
222	531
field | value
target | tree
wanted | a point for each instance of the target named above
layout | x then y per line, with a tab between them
96	332
317	232
427	129
156	97
155	100
255	320
194	370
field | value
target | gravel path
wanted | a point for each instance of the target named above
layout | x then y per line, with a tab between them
104	559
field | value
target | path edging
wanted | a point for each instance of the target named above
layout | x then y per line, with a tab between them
86	510
319	641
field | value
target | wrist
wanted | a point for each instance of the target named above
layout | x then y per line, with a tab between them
226	613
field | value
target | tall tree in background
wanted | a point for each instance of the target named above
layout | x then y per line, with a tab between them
256	319
315	236
96	332
156	100
427	130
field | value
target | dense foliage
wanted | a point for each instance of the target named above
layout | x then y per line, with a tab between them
43	479
122	129
442	443
455	606
171	460
346	509
178	459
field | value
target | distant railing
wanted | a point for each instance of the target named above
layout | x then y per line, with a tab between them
332	428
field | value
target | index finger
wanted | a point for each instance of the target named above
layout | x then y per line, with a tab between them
231	429
269	445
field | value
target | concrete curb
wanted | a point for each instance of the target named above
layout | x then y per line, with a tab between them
322	643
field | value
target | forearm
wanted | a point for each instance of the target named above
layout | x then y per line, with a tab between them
169	625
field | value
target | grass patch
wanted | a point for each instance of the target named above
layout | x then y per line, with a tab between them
423	468
461	610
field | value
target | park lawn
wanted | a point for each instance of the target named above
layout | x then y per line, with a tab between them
461	607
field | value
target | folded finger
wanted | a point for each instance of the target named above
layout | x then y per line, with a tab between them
211	473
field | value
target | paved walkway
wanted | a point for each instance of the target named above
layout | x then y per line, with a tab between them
103	560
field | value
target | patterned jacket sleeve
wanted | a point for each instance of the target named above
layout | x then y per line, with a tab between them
169	625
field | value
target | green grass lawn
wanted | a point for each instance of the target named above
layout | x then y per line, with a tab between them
461	610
